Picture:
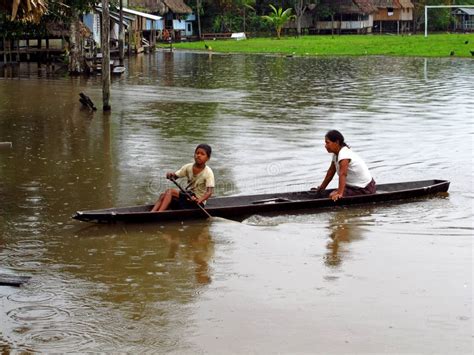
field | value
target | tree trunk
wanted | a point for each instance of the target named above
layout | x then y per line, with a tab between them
75	48
198	10
332	24
300	9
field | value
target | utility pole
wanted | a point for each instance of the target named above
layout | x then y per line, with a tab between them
121	34
105	55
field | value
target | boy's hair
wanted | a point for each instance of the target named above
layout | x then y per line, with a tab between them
207	148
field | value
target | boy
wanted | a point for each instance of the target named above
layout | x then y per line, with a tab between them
200	182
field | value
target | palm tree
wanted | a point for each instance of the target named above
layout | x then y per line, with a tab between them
278	18
24	10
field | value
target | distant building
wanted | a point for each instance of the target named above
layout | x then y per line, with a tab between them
345	16
140	28
394	16
178	17
464	19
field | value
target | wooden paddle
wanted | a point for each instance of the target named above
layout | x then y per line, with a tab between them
190	197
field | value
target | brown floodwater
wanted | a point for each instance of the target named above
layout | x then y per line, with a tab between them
390	278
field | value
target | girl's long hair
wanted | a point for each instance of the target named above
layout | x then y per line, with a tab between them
336	136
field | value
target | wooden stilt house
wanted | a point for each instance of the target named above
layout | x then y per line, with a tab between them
178	17
345	16
394	16
141	28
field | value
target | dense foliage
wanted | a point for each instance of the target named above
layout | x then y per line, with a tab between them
216	15
58	12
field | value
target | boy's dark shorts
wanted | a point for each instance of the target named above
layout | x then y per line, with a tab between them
183	202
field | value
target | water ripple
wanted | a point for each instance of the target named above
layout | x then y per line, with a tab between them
37	314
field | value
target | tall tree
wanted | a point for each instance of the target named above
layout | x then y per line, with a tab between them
198	15
300	8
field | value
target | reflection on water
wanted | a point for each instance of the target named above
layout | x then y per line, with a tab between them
153	261
142	288
345	226
144	275
199	249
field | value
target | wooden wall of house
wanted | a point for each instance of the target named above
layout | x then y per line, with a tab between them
398	15
382	15
407	15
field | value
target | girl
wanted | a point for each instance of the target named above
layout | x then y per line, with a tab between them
200	183
354	176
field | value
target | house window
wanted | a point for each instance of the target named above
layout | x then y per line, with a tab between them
189	27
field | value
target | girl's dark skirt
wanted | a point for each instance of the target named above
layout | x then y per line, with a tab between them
371	188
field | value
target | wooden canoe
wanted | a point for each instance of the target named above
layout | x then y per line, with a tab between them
240	207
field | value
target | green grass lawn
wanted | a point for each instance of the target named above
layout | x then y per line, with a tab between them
435	45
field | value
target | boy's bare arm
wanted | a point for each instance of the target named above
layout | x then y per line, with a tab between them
208	194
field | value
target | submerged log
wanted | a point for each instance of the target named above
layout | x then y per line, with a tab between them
13	280
86	101
5	145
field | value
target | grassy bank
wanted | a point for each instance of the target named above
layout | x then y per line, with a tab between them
435	45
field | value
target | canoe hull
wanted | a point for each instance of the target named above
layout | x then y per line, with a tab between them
240	207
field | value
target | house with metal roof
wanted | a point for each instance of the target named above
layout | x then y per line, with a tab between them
178	18
464	19
140	28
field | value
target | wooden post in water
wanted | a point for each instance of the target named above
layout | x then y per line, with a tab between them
121	34
47	51
105	55
5	145
4	49
27	49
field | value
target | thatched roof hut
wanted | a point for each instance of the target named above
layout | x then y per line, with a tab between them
366	6
387	4
163	6
393	4
350	6
406	4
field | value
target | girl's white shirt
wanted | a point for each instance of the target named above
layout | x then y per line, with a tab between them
358	174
